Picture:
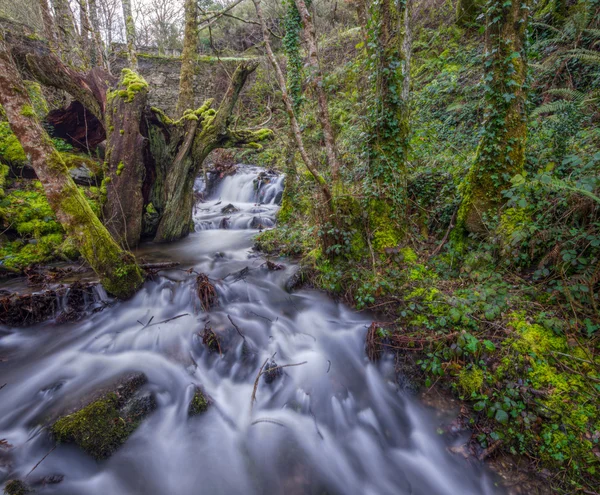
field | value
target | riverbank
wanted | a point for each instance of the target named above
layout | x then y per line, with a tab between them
525	373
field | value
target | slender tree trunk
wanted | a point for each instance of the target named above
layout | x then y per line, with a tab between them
49	28
290	109
185	100
407	49
116	268
316	80
130	34
86	31
501	151
68	38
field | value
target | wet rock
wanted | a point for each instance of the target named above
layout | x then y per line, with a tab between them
224	223
199	403
296	280
272	372
278	198
256	223
206	292
273	266
103	425
16	487
211	340
66	303
227	210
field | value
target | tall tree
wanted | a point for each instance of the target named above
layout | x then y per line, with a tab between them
68	37
116	268
287	101
316	81
130	34
501	151
49	28
188	63
389	120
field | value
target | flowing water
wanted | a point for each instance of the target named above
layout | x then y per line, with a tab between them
334	425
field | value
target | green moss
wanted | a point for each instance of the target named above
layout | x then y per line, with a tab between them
130	85
150	209
27	111
97	428
40	106
470	381
11	151
120	168
3	173
385	233
199	404
16	487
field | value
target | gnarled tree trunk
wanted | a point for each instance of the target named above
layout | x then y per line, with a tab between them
116	268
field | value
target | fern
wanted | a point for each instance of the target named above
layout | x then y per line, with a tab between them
589	56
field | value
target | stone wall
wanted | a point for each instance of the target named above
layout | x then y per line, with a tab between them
162	73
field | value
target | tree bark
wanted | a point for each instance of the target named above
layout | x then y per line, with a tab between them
290	110
389	132
116	268
125	151
501	151
98	58
130	34
185	100
68	38
316	81
206	132
49	27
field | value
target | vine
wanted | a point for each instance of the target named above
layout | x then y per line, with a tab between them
388	126
291	46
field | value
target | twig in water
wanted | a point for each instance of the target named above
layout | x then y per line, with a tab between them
149	321
266	420
328	367
262	371
41	460
260	316
236	328
3	386
167	320
253	398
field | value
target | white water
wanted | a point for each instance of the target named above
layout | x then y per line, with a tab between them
335	425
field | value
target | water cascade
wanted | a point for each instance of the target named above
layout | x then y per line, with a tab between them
336	424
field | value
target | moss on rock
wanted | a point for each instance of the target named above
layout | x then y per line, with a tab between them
199	403
102	426
16	487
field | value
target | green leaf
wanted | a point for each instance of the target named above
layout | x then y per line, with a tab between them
501	416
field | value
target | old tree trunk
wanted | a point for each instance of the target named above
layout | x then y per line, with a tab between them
151	160
116	268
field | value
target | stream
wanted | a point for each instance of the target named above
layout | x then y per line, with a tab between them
334	425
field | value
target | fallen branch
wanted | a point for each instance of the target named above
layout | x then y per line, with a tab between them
41	460
266	420
263	371
236	328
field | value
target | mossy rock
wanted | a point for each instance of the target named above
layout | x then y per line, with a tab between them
199	403
103	425
16	487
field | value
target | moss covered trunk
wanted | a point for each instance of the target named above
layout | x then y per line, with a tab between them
204	130
389	120
125	152
501	151
116	268
190	49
